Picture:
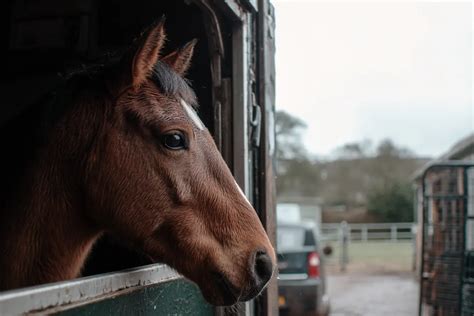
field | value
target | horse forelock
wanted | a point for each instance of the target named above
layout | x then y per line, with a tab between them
172	84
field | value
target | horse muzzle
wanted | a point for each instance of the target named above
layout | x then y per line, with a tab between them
261	270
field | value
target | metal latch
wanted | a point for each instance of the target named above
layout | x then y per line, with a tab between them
256	122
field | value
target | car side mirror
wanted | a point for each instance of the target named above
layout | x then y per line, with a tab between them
327	250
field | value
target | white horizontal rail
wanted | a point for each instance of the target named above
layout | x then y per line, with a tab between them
369	231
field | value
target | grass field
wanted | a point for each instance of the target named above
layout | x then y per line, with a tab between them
381	256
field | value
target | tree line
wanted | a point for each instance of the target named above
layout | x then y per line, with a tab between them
376	178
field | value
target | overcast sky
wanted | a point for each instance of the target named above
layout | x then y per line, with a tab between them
373	70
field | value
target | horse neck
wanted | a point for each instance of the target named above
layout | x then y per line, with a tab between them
45	235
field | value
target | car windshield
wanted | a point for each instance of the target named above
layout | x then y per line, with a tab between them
294	237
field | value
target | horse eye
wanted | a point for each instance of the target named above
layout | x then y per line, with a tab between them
174	140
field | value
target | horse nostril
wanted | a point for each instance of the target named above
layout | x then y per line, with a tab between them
263	267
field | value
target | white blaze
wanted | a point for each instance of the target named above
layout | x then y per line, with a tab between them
199	124
192	115
242	193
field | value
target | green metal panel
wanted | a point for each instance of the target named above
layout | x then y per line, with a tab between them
179	297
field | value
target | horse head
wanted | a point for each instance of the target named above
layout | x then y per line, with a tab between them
157	178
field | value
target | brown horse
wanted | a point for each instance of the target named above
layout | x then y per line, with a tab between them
120	149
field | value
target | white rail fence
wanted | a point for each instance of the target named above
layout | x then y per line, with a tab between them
352	238
369	231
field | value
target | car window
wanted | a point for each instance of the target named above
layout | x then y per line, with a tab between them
294	237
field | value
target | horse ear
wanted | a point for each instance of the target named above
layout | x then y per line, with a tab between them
180	60
147	52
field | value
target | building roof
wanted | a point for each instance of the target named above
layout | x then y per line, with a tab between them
463	150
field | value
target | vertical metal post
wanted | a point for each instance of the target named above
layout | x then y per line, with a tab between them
423	238
414	232
393	233
364	233
344	240
465	200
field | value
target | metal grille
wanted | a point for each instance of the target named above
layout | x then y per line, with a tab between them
445	266
468	286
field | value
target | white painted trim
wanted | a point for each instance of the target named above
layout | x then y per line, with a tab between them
240	62
39	298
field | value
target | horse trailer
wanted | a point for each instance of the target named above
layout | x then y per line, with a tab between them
445	200
234	79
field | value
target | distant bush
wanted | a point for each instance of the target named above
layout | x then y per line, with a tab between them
392	203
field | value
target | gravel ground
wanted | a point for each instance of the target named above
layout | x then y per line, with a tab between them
379	294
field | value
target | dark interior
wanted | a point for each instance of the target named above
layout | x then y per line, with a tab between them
44	40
